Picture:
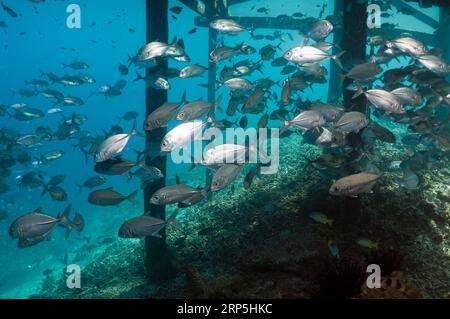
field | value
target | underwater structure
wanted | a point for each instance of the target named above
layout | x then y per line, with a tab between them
376	194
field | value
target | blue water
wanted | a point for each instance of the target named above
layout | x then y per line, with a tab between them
46	44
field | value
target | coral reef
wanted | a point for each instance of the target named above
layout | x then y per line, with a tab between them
236	245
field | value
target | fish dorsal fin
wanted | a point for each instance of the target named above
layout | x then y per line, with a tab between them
109	189
177	179
38	210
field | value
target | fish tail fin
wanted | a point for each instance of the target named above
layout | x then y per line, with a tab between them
130	60
211	120
171	219
78	227
45	186
342	77
278	83
139	156
330	222
138	77
285	124
376	246
132	199
85	153
305	38
279	45
64	218
64	66
183	98
217	104
358	92
336	58
134	131
206	190
259	68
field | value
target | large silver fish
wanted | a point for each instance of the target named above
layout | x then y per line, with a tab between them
239	84
183	134
225	153
197	109
143	226
108	197
113	145
364	72
225	175
305	121
192	71
383	100
408	96
310	54
320	30
227	26
408	45
330	112
353	185
38	224
163	114
435	64
180	193
223	53
351	122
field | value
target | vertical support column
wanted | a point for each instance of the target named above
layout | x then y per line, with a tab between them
441	35
334	85
212	10
157	263
354	43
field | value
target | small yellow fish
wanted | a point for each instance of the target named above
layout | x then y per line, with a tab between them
321	218
368	243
